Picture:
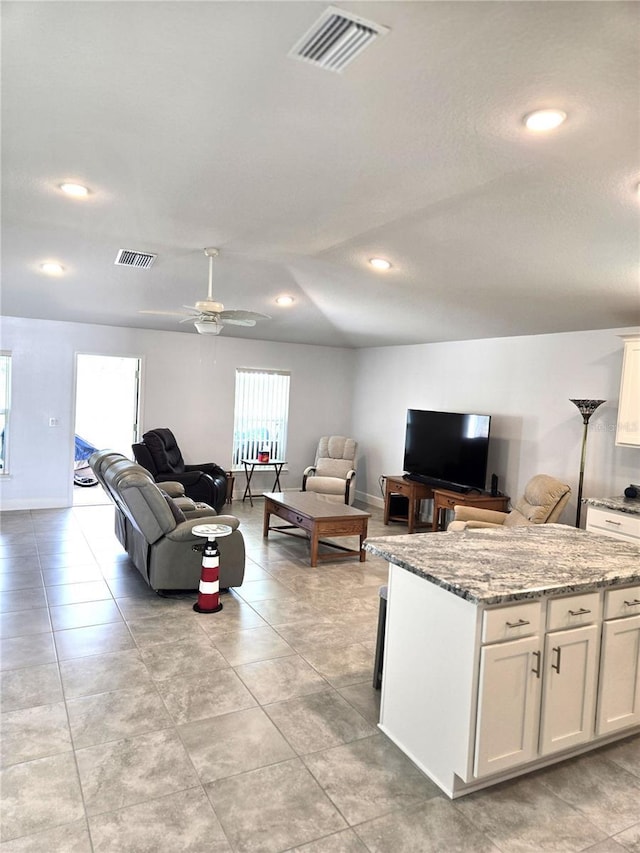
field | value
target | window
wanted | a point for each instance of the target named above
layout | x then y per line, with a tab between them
260	415
5	402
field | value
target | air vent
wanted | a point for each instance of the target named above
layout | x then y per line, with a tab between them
335	40
129	258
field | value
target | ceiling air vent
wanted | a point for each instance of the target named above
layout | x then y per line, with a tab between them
336	39
129	258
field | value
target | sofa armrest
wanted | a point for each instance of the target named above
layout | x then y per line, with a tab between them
183	532
472	513
173	488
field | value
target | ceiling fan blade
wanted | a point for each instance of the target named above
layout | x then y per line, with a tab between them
243	315
235	322
164	313
192	308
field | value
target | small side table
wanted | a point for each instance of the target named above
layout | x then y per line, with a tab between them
415	492
249	467
444	500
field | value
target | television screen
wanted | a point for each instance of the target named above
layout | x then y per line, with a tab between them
447	448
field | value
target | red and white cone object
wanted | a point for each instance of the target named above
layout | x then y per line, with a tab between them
209	589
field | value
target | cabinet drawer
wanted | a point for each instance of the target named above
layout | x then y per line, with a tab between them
571	611
622	602
624	525
510	623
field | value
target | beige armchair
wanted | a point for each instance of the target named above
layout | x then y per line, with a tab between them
542	503
334	469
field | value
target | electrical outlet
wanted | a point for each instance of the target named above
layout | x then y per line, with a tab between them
54	422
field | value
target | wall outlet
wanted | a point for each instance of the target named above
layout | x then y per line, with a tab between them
54	422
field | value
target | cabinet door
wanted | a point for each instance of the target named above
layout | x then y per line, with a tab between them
628	431
569	688
619	695
508	705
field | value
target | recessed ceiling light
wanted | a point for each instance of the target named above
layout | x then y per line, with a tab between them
52	268
285	300
380	263
75	190
542	120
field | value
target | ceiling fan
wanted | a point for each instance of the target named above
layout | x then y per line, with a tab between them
208	316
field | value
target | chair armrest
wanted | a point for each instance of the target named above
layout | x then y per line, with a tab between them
209	468
311	469
472	513
187	478
457	526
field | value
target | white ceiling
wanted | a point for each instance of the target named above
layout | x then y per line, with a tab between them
194	128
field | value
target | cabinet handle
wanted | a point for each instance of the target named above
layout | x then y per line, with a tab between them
517	624
609	521
536	668
633	603
580	612
556	665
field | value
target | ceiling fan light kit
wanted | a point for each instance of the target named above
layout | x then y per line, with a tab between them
208	327
208	316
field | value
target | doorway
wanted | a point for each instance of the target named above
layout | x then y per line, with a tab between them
107	405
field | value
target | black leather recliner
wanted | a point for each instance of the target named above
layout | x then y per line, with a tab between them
159	453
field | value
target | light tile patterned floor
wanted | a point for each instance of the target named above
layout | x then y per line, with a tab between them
130	723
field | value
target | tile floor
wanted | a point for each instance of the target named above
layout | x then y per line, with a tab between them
132	724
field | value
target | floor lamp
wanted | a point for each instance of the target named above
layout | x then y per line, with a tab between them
586	409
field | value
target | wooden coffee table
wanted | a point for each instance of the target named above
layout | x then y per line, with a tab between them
317	516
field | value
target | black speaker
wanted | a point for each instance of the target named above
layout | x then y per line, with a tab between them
631	491
494	486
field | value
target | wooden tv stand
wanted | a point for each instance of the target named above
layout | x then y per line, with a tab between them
443	499
415	493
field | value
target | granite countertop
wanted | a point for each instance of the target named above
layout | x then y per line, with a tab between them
619	504
511	564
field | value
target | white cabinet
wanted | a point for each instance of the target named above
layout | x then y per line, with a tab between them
475	695
569	691
619	692
537	695
508	702
628	429
619	525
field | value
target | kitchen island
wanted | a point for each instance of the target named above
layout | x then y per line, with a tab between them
508	650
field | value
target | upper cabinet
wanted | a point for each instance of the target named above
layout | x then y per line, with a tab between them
628	431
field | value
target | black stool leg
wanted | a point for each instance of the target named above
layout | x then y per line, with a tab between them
382	622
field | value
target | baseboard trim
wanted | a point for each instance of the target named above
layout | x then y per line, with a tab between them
31	503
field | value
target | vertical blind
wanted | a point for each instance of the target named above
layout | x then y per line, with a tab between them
261	414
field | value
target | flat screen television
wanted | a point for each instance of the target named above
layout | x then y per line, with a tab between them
447	449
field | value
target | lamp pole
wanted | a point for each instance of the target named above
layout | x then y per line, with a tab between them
586	409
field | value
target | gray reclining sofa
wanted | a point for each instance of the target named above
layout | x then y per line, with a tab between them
154	526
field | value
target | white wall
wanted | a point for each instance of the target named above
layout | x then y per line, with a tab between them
188	385
525	383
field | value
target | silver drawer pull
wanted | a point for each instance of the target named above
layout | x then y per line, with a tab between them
633	603
517	624
580	612
617	523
